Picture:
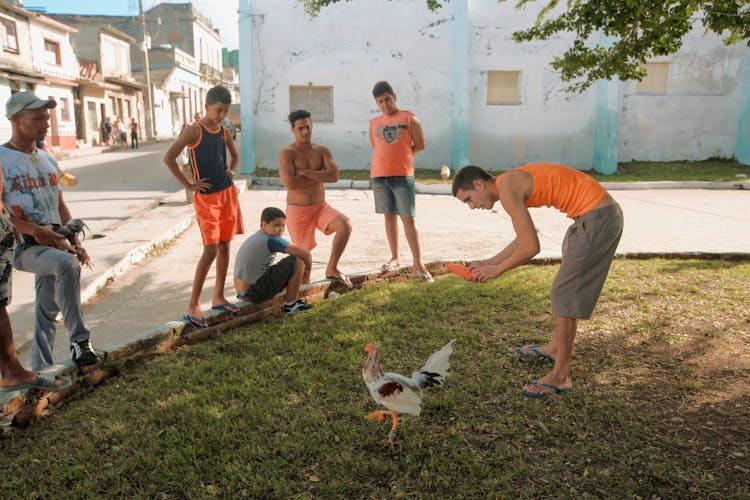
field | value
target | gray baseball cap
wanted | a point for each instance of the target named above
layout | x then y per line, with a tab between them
26	100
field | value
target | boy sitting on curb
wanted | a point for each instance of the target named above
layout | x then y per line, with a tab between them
257	279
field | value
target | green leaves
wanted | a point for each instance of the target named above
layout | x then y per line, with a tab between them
634	31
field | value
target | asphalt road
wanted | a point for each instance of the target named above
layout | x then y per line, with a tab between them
115	186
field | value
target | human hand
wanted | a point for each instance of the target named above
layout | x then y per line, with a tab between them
200	185
45	235
483	272
82	255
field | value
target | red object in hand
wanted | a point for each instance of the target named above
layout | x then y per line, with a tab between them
461	270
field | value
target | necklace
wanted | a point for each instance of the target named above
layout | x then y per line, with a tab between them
34	154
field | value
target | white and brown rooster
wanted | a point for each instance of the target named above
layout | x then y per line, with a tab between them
401	394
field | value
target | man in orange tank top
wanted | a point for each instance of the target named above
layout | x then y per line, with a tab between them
396	136
587	250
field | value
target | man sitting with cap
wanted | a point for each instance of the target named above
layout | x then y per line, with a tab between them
32	195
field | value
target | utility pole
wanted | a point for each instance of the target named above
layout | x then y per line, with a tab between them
148	97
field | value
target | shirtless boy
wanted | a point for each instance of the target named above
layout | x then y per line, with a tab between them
304	167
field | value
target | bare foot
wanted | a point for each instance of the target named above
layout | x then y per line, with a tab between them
546	386
21	377
225	304
338	276
545	351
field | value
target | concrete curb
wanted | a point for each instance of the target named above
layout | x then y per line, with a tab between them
445	189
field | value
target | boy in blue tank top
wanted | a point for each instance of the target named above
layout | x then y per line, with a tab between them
216	203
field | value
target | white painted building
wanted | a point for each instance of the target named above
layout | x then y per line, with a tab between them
517	108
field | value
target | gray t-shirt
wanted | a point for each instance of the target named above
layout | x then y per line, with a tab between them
256	255
31	187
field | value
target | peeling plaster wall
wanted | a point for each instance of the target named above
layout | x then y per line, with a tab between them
697	119
353	44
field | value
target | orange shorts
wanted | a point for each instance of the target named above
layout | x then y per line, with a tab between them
219	216
302	220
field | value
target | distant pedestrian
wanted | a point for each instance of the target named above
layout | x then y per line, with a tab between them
133	134
122	133
106	131
216	203
55	260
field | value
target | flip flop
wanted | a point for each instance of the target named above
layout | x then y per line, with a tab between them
343	279
42	382
227	307
554	388
390	266
426	277
199	323
522	352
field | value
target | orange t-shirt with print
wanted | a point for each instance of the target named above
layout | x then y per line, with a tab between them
392	154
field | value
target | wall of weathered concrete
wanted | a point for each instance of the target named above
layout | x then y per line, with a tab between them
351	45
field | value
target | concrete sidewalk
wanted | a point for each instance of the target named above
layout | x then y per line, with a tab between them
143	293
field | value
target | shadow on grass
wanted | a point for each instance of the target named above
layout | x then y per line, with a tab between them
276	409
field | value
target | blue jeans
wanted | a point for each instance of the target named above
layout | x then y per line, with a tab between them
58	289
394	195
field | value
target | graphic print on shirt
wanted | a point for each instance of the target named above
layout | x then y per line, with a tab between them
391	133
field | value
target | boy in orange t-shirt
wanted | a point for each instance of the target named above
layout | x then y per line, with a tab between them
396	136
587	250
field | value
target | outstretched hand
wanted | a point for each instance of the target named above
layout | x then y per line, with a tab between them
483	271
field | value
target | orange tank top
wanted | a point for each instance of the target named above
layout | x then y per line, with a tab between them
567	189
391	152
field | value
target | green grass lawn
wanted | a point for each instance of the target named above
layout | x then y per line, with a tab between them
275	410
716	171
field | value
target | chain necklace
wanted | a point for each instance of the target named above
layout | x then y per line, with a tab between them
34	154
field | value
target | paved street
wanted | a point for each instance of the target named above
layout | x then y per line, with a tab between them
156	291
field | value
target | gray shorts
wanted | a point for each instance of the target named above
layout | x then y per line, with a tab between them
273	280
394	195
587	252
7	247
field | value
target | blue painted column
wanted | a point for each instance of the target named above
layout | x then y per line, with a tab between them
742	148
605	124
460	86
247	109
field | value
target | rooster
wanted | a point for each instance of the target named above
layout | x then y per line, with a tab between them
400	394
445	172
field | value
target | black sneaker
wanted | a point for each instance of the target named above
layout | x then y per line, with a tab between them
297	306
83	353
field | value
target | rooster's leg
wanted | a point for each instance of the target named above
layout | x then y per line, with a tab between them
394	426
382	415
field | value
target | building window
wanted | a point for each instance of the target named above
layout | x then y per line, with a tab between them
318	100
655	82
502	87
65	109
52	52
8	36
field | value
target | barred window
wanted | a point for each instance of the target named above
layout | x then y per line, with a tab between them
318	100
655	82
502	87
8	36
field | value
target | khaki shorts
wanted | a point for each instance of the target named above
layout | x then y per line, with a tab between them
7	246
587	252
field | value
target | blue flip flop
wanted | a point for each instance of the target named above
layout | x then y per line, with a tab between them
44	382
556	390
199	323
227	307
522	352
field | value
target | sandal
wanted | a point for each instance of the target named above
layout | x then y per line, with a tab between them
390	265
425	276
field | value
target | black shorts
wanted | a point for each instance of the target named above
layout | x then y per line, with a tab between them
273	280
